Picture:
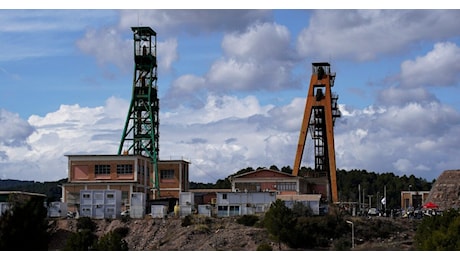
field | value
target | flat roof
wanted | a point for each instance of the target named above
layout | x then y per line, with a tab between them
144	30
21	192
124	156
321	64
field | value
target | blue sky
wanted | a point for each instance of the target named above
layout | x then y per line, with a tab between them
232	87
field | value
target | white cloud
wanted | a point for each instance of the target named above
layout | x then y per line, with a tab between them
14	130
71	129
401	96
439	67
411	139
229	133
104	43
259	58
173	22
365	34
259	42
167	53
217	108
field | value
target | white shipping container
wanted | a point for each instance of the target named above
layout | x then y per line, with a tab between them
57	209
137	212
205	210
100	204
159	211
186	199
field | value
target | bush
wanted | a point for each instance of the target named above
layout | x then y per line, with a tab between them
122	231
83	240
111	241
264	247
26	228
86	223
248	220
187	221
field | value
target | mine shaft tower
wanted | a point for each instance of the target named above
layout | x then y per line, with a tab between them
321	110
141	131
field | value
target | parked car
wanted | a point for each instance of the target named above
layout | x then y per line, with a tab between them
125	213
71	214
373	212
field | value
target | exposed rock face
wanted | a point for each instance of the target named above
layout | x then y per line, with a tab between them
446	190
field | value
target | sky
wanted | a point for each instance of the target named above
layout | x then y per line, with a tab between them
232	86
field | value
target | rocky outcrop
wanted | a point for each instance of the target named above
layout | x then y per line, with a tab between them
445	192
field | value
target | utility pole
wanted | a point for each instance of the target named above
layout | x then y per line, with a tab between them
352	233
359	197
385	197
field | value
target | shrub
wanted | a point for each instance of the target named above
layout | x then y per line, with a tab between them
248	220
187	221
264	247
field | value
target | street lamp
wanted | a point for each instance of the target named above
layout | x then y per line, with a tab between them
352	234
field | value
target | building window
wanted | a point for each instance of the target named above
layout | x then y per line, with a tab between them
224	196
101	169
234	210
285	186
124	169
167	174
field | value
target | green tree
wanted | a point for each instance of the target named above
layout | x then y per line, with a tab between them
112	241
24	226
279	221
301	210
439	233
84	239
286	169
274	168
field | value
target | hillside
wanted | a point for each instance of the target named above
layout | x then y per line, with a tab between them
225	234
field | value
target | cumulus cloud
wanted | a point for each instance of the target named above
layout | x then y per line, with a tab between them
173	22
230	133
439	67
365	34
413	139
167	54
103	43
402	96
259	58
69	130
14	130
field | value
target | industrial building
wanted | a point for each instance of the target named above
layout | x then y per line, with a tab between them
129	174
413	199
267	180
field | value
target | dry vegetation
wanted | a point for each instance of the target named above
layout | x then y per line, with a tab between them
225	234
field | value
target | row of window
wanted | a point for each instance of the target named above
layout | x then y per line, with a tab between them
280	186
128	169
121	169
166	174
98	196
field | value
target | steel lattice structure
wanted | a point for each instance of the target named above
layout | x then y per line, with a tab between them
320	113
141	131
